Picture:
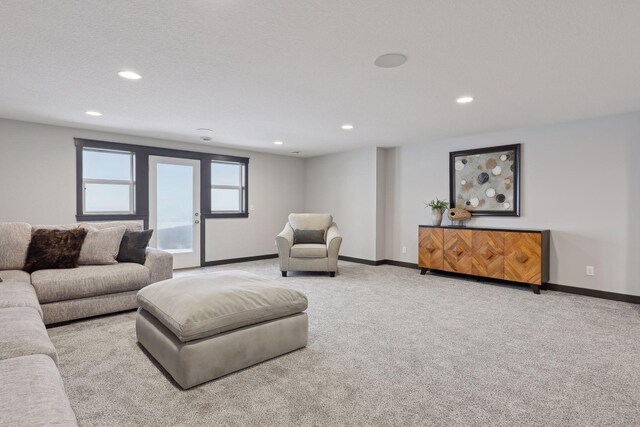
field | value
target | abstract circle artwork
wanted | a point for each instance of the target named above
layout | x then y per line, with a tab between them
486	181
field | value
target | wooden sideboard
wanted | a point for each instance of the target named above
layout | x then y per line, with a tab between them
499	253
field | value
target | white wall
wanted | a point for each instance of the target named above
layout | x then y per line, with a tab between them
276	188
381	176
344	185
579	179
38	178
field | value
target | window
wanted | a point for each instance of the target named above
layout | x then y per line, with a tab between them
108	181
112	182
228	187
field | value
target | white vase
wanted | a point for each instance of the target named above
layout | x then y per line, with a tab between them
436	217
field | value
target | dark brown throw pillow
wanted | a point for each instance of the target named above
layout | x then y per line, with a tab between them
308	236
134	246
54	249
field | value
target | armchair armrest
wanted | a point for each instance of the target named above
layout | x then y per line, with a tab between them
159	263
334	240
284	241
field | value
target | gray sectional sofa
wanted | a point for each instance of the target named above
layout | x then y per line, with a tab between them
32	391
89	290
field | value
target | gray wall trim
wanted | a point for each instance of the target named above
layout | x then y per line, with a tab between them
237	260
633	299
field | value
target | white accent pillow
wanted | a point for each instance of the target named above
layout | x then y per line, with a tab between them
101	247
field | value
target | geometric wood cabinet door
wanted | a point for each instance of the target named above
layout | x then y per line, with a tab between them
430	248
523	257
488	254
457	250
499	253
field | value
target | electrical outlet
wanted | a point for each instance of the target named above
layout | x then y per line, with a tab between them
591	271
404	249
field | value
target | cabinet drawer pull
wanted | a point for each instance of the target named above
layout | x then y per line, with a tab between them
521	258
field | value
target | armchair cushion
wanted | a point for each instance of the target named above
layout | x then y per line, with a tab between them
308	236
309	250
308	221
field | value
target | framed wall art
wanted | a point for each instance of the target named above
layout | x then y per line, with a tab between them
486	181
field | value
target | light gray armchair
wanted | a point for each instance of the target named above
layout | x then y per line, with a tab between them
309	256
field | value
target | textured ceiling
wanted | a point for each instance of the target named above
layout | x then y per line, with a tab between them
257	71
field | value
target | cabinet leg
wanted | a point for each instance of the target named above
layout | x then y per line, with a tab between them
423	271
535	289
284	274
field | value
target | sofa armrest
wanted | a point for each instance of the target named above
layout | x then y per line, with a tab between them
284	241
159	263
334	240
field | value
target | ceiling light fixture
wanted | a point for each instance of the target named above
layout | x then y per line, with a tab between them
129	75
390	60
93	113
278	142
464	100
347	127
204	130
205	138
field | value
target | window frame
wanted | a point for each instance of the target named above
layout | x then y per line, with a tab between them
242	189
130	183
141	191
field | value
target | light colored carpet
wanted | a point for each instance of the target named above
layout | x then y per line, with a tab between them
386	347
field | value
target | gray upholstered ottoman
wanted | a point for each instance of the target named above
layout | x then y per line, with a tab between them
205	326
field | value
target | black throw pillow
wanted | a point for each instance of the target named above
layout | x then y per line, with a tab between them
133	246
54	249
308	236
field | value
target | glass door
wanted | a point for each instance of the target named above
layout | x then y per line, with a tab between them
174	208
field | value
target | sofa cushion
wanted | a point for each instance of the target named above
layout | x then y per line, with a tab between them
15	276
101	246
133	247
309	250
54	249
129	225
18	294
32	393
22	333
88	280
14	243
310	221
204	305
54	227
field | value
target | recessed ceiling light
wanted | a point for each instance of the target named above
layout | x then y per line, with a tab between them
278	142
464	100
390	60
347	127
93	113
204	130
295	152
129	75
205	138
